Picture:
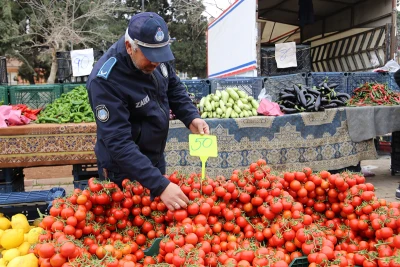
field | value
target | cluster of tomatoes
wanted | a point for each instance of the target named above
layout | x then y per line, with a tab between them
254	218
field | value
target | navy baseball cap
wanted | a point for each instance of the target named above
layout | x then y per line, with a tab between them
150	32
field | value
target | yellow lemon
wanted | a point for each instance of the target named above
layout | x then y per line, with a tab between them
19	221
11	254
4	223
34	234
24	248
28	260
12	238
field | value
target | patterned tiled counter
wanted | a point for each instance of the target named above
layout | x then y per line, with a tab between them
318	140
47	144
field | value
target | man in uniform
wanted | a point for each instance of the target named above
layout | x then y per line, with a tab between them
131	93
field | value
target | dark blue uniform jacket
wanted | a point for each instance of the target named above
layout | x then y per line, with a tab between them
132	116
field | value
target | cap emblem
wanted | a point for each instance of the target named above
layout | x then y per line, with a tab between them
159	35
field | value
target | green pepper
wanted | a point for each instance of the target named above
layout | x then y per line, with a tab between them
77	102
51	120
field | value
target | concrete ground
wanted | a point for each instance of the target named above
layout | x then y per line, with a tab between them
385	184
44	178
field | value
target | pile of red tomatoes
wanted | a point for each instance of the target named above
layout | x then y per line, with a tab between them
253	218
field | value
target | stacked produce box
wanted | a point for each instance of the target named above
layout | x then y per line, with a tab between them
395	156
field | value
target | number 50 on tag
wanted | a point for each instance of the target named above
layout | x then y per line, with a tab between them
203	145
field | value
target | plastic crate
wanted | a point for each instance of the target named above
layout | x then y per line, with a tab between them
269	66
340	78
11	180
82	184
3	70
252	86
392	83
28	202
395	142
15	185
395	162
4	95
357	79
198	88
299	262
9	174
274	85
67	87
82	172
35	96
64	69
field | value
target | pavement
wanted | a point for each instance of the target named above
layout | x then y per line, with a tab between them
385	184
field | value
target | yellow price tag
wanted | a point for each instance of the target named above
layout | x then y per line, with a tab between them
203	146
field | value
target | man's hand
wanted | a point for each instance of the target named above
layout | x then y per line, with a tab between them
174	198
199	126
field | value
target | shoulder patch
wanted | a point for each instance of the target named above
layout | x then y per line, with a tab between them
107	68
164	70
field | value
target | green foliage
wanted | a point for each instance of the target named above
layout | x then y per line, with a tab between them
189	28
60	27
10	36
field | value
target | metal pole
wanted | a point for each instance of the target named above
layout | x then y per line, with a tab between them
142	5
393	39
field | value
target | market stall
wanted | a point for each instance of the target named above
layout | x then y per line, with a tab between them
278	188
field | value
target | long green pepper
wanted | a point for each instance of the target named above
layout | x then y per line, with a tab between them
70	107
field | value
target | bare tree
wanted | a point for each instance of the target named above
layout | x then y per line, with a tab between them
57	24
197	8
215	4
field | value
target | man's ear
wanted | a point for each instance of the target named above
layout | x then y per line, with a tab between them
128	47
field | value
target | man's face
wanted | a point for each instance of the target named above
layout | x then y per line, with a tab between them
139	60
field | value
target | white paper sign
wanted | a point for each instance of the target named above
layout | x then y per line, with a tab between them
82	62
285	55
374	60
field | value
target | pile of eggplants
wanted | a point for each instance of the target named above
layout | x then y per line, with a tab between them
301	98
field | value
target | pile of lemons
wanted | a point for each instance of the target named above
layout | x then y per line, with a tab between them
16	239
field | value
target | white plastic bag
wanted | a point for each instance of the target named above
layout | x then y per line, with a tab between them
390	66
263	94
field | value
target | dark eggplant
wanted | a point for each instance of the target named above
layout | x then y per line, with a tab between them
288	92
310	99
288	103
296	89
317	103
302	98
310	108
287	97
291	90
343	95
332	94
289	110
333	85
333	105
312	91
338	102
